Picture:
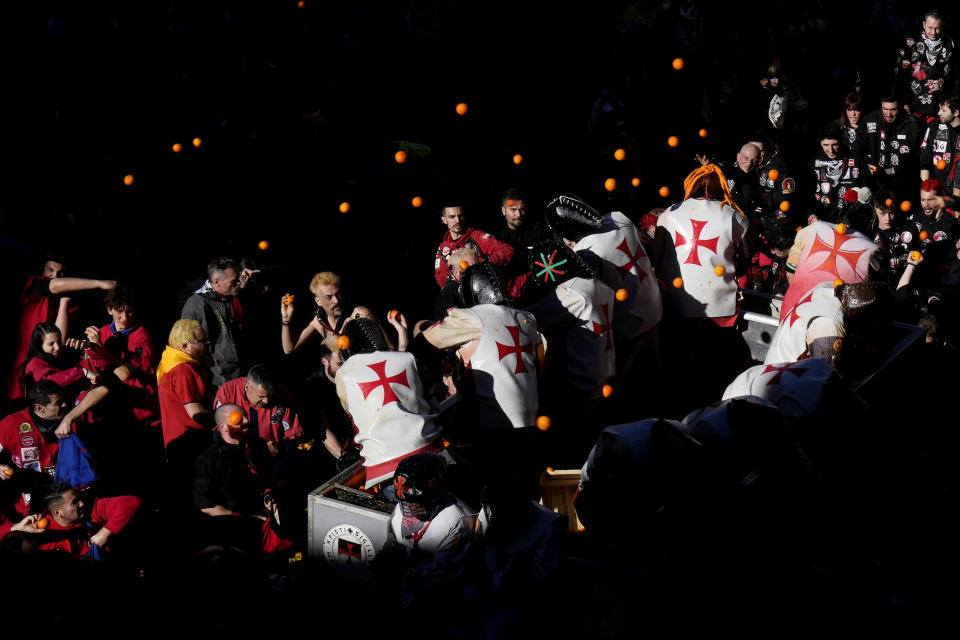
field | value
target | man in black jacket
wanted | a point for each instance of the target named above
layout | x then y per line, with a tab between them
890	147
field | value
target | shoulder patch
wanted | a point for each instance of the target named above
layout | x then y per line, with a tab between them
26	427
789	186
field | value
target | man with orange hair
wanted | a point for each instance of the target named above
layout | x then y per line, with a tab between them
697	249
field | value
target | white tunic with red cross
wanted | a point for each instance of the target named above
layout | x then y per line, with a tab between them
618	243
705	234
503	361
825	254
381	392
795	387
817	314
590	353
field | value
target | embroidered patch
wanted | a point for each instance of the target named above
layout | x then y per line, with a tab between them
789	186
26	427
27	441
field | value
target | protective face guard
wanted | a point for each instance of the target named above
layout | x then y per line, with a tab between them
572	218
480	284
552	262
364	336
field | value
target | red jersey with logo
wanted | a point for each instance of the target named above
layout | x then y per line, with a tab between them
22	439
272	423
183	384
489	248
135	350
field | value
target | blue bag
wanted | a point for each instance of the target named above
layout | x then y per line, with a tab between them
74	463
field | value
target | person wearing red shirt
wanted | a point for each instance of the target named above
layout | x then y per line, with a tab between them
68	519
460	234
44	300
268	406
44	361
133	350
184	391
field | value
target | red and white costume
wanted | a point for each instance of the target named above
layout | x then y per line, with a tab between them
822	254
704	234
795	387
382	393
499	344
818	314
618	244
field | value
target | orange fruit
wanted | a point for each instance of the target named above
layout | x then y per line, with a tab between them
43	523
635	182
621	294
8	472
773	174
235	417
664	192
463	264
799	229
924	235
785	205
301	4
263	245
462	108
343	342
607	391
417	202
400	156
719	269
549	469
619	154
941	164
543	423
197	142
177	147
517	159
837	345
837	283
678	283
673	141
888	202
288	299
841	228
905	206
702	133
393	313
915	255
128	179
609	184
344	207
677	63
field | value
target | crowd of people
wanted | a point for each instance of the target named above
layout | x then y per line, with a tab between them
570	336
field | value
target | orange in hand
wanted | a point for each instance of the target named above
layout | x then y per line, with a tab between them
393	314
915	255
43	523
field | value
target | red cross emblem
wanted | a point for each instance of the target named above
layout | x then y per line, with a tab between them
780	371
383	381
601	329
349	549
519	349
836	252
633	260
794	316
400	486
710	244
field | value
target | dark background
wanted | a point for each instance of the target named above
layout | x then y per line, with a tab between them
300	109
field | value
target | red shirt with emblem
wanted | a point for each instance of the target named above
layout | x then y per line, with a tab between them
273	423
185	383
22	439
113	513
135	349
489	248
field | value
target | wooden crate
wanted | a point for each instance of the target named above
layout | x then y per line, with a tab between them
557	490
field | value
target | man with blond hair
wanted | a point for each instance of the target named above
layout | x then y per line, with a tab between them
185	399
330	318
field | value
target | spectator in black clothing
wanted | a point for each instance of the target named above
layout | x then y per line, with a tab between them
890	146
518	229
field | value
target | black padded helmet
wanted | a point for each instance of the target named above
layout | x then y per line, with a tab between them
480	284
363	335
572	218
